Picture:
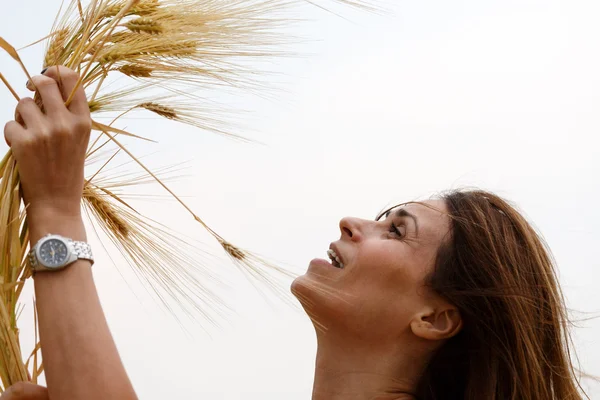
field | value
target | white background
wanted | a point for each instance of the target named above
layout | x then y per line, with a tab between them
502	95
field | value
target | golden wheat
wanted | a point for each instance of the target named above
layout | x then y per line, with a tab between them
135	71
167	50
163	111
143	7
105	211
144	25
56	47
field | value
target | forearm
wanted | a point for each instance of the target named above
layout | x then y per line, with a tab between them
80	357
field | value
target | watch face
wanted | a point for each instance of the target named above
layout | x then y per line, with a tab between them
53	253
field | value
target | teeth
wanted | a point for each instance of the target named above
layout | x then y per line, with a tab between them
334	257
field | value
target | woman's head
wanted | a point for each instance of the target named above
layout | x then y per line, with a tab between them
464	283
379	279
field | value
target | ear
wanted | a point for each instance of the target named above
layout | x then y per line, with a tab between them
437	324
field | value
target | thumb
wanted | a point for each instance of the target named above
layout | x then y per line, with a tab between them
25	391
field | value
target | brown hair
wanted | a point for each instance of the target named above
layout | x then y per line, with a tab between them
515	340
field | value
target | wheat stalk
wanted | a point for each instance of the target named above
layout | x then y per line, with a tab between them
166	263
135	71
94	43
56	48
156	45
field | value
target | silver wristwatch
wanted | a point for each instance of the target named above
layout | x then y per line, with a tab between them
54	252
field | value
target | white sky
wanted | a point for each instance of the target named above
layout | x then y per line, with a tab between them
436	95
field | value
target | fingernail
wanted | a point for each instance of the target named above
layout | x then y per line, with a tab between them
44	70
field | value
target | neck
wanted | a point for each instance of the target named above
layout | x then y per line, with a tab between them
363	371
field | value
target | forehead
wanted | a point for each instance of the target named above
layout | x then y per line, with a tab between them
428	209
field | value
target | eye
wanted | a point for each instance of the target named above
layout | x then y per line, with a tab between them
398	230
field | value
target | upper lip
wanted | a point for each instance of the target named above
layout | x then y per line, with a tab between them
337	252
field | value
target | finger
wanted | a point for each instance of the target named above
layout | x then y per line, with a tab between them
12	130
50	93
19	119
30	113
67	79
25	391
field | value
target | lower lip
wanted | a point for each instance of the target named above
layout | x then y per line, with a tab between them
322	262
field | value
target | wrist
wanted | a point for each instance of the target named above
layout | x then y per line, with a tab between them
68	207
42	221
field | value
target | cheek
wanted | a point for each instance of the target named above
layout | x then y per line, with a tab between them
380	288
389	265
388	277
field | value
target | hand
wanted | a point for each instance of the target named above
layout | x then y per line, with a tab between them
50	146
25	391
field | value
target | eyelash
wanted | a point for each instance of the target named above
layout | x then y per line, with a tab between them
394	229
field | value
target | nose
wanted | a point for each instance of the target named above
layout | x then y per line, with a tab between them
351	228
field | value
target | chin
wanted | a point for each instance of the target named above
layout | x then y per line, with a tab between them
317	300
300	287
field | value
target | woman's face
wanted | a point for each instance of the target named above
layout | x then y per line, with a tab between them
378	286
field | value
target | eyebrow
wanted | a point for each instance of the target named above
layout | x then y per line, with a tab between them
403	213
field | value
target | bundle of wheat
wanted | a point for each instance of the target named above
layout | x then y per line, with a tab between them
159	46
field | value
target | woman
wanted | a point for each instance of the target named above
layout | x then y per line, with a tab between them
452	298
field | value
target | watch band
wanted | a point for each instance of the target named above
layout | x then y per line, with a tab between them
83	250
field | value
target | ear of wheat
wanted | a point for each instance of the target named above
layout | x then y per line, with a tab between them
175	47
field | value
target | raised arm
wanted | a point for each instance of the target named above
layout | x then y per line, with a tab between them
80	357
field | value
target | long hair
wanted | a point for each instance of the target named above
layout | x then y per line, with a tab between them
515	342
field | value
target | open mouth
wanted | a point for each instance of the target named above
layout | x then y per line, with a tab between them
335	259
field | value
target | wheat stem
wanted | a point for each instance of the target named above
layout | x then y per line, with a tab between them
15	55
160	182
104	165
104	76
3	79
5	160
